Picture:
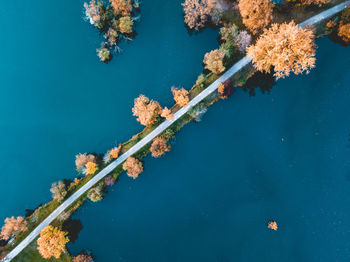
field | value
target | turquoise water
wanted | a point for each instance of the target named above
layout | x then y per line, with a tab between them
282	156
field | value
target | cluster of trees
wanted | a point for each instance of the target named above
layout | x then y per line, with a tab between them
52	242
112	154
341	27
12	226
115	21
148	111
86	164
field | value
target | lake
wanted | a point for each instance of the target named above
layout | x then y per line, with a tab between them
283	155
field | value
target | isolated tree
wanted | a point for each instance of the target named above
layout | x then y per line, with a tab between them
12	226
104	54
197	12
133	167
314	2
83	257
214	61
121	7
90	168
51	242
159	147
58	190
225	89
82	159
95	194
166	113
125	24
146	110
344	32
285	47
256	14
181	96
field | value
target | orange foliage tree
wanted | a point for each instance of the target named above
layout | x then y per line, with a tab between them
146	110
12	226
159	147
166	113
286	47
51	242
180	96
214	61
133	167
90	168
121	7
256	14
344	32
83	258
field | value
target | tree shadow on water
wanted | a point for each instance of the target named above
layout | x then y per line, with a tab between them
264	81
73	227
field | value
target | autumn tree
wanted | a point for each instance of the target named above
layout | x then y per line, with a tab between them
225	89
104	54
90	168
58	190
166	113
111	36
121	7
181	96
51	242
214	61
198	12
159	147
314	2
344	32
256	14
125	24
12	226
109	180
83	257
82	159
112	154
285	47
145	110
133	167
95	194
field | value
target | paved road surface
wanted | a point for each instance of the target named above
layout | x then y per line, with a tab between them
205	93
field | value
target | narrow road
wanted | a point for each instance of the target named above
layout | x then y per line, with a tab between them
156	132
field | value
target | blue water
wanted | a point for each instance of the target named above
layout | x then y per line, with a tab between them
283	156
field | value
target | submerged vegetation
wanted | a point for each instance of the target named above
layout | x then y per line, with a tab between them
114	20
275	44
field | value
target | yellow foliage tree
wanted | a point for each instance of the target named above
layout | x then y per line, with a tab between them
285	47
256	14
180	96
90	168
133	167
51	242
214	61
